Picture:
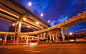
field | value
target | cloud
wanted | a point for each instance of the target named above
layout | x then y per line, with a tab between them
63	18
38	5
59	20
72	3
75	7
52	23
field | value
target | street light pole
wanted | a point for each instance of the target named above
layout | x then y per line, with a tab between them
41	15
48	21
30	4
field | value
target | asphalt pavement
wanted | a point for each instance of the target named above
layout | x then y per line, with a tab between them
46	48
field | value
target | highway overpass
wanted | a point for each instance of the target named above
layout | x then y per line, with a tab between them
13	11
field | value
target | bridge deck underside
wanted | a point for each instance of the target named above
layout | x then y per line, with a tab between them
11	11
56	29
73	23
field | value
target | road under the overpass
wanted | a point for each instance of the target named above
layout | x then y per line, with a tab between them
52	31
48	48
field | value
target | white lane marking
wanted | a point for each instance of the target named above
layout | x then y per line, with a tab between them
35	51
32	51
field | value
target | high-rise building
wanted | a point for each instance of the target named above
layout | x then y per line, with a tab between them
26	30
12	29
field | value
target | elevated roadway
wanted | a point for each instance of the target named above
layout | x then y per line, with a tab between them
56	28
13	11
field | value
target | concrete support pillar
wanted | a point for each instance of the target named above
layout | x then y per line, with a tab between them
50	36
47	34
41	36
19	30
11	37
44	35
5	39
62	31
27	39
38	38
53	36
66	32
15	32
18	27
57	37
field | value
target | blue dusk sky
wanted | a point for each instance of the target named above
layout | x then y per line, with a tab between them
56	11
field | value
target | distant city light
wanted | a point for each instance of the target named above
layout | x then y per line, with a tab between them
42	14
71	33
71	40
30	4
49	21
24	19
32	38
28	26
0	38
32	44
37	22
13	24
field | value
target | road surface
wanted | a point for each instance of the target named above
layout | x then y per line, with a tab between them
47	48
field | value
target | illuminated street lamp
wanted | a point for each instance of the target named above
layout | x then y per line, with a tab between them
49	21
28	26
37	22
71	33
30	4
42	15
24	19
13	24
